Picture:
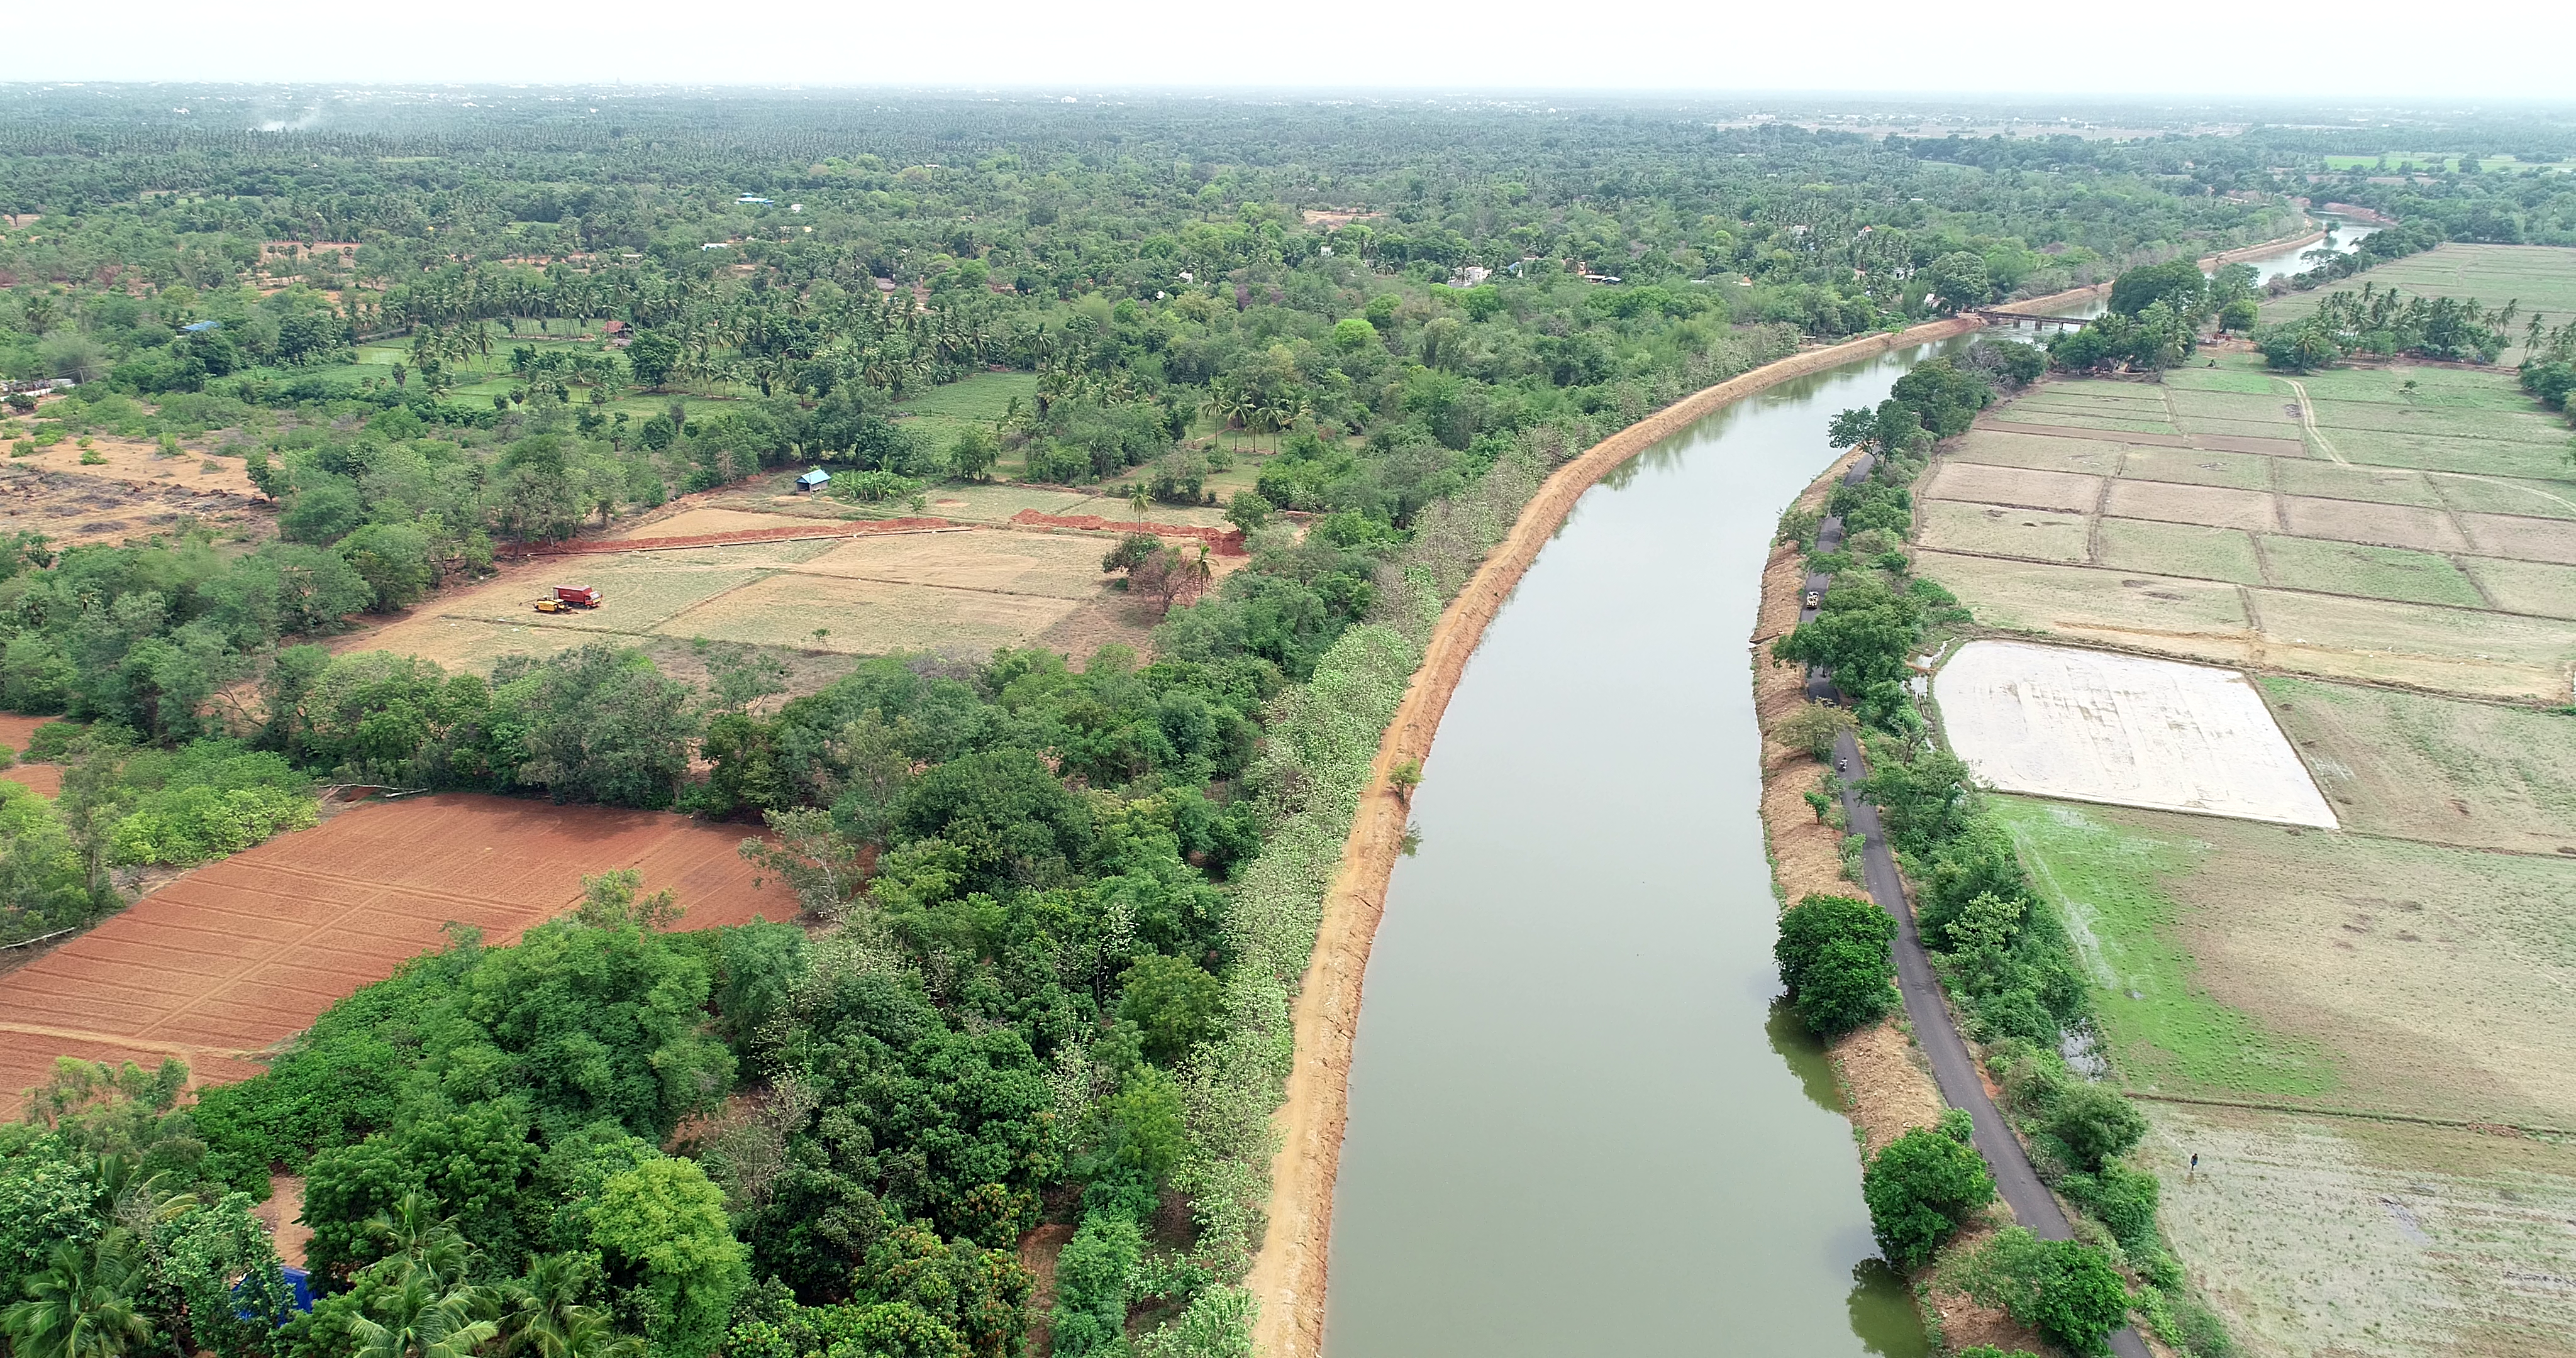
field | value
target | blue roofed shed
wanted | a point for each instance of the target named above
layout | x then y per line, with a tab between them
201	327
813	481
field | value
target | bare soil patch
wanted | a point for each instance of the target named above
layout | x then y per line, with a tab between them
1999	530
1987	484
2002	449
2384	525
2217	506
2522	539
237	955
2199	467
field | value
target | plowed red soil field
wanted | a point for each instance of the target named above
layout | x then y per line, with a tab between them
239	954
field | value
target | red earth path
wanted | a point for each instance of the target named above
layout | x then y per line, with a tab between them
242	953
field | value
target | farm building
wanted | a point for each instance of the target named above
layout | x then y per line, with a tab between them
813	481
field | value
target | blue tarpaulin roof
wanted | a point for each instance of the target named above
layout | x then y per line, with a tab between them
815	477
201	327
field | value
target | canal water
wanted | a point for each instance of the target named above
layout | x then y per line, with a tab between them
2342	236
1580	1124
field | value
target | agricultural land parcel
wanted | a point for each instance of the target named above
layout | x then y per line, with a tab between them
239	954
961	591
2421	535
2286	999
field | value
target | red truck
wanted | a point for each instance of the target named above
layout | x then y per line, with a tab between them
579	596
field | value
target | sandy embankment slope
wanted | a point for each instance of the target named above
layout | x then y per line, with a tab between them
1288	1276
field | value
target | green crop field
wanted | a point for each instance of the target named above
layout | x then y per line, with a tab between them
2541	277
2372	572
2314	968
2162	1026
2180	549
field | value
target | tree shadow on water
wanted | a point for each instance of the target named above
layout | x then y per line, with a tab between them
1882	1312
1804	1053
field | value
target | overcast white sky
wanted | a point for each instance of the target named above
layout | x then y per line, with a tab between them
2353	52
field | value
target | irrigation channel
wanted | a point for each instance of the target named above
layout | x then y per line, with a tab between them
1579	1122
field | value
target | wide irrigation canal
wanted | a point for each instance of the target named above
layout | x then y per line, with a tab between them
1579	1122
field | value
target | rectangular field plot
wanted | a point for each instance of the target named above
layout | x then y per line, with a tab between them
2195	466
2091	726
2500	426
2038	452
2335	481
2450	650
2521	539
2220	379
1996	530
2371	572
2439	452
240	954
1984	484
2501	495
2217	506
1059	566
2092	420
2185	549
2428	530
2029	596
867	617
2322	1235
2544	588
2413	766
2247	408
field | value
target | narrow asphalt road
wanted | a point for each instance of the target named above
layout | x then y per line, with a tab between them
1952	1067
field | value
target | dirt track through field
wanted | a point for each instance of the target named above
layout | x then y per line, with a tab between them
238	955
1288	1276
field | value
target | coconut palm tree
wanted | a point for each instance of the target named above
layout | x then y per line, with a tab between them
421	1319
82	1305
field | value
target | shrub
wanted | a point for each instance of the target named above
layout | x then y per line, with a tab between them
2095	1124
2122	1199
1813	728
1921	1188
1833	954
2066	1291
1092	1278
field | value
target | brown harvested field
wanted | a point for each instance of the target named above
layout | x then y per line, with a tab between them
709	519
1997	530
960	591
2521	539
2336	481
16	731
2199	467
2217	506
2442	770
2452	650
2381	525
2150	612
2004	449
80	506
2367	1239
1986	484
237	955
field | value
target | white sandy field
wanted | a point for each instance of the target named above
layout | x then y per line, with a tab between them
2089	726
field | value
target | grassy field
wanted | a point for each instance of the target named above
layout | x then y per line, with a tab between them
2541	277
2412	766
2366	1239
2315	969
